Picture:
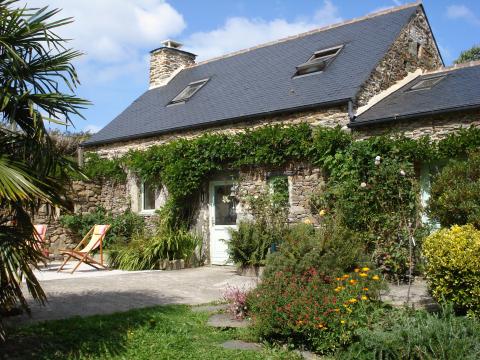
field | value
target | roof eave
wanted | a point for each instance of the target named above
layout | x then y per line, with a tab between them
215	123
389	119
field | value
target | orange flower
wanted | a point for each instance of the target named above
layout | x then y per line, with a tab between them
353	281
365	289
337	310
346	276
338	279
356	270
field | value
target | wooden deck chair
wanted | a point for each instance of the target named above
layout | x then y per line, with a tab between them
40	236
83	255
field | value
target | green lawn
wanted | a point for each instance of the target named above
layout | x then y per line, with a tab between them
166	332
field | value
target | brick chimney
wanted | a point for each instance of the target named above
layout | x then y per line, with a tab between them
166	61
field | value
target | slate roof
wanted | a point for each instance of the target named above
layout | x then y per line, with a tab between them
458	90
260	81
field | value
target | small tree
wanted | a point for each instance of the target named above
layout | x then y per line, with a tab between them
472	54
455	194
35	70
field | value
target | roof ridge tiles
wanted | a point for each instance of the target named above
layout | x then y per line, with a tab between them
453	67
314	31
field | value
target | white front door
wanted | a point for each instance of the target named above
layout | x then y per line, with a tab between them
223	216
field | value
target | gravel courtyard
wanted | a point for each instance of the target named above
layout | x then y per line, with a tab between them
90	292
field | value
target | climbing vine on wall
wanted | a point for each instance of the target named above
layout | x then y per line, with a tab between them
183	164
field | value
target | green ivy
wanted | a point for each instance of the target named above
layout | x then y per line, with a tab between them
183	164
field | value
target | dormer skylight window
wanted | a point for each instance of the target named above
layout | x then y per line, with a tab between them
319	61
188	92
426	83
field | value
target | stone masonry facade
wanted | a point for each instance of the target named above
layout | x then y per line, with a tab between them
165	61
414	48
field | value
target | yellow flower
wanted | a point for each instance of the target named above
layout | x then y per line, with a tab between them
365	289
363	274
353	281
352	301
356	270
342	321
364	297
365	269
375	277
346	276
337	310
322	212
307	221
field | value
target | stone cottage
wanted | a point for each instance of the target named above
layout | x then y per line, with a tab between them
378	73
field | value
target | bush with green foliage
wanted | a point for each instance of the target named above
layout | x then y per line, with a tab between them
124	226
453	267
373	191
330	249
312	309
472	54
403	334
250	243
455	193
148	250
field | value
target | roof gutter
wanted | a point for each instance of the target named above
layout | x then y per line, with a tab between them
221	122
366	123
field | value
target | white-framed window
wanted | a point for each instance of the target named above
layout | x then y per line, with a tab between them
427	172
148	198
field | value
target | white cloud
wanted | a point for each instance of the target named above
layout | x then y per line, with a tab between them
240	33
462	12
110	31
91	128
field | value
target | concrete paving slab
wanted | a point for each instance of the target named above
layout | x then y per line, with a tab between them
92	292
225	321
241	345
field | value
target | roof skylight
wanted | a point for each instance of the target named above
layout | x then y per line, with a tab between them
318	61
188	92
426	83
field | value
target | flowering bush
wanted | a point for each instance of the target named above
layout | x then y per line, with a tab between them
237	300
453	266
313	309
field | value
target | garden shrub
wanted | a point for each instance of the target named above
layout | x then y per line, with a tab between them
455	193
404	334
147	250
124	226
376	197
312	309
330	249
453	267
250	243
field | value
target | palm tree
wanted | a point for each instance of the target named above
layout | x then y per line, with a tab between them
37	84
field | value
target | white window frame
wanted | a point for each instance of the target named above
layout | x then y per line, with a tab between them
144	211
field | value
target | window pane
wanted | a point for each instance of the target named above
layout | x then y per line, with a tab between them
148	196
225	211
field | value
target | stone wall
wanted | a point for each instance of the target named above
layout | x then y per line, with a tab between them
435	127
86	197
330	117
164	62
414	48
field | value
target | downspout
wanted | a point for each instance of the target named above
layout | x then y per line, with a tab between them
351	113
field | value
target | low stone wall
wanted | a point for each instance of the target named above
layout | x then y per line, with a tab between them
86	198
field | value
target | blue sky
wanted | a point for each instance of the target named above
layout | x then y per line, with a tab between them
116	36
